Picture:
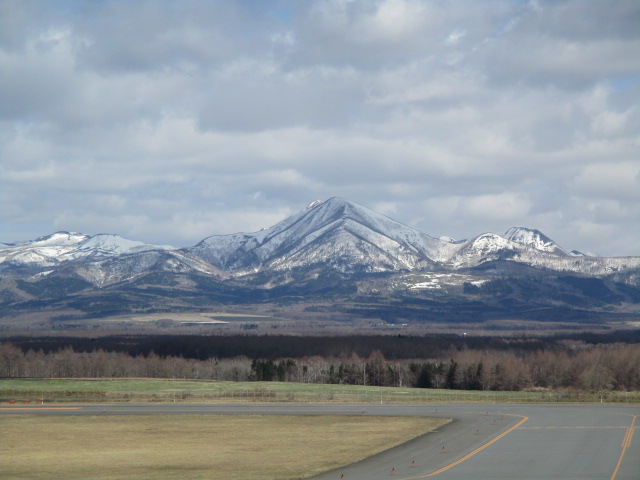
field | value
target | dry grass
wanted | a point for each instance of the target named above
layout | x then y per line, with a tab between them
194	446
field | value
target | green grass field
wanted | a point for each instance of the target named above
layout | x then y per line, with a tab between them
164	390
194	446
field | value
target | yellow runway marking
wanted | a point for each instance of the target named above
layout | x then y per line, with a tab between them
626	443
469	455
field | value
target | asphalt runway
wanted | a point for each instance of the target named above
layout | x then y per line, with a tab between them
482	442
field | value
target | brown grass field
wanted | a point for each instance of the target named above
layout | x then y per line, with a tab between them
194	446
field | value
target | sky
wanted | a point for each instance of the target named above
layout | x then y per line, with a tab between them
168	121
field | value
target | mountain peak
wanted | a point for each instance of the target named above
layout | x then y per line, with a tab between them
60	247
315	203
533	238
336	231
60	238
112	244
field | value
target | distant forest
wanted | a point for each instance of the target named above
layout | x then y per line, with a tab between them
582	361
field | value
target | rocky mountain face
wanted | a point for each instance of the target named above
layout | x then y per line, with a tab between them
335	246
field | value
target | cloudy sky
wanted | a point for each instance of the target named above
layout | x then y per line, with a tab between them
169	121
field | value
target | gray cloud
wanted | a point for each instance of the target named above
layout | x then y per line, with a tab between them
171	121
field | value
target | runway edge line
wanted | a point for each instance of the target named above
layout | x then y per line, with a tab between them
626	443
471	454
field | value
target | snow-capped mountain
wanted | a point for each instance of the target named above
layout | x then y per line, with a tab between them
339	233
534	239
518	244
481	249
100	259
110	245
333	251
348	237
60	247
529	247
336	235
106	271
45	251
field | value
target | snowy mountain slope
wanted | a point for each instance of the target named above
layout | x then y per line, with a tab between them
534	239
335	234
532	248
348	237
348	246
585	265
61	247
45	251
518	244
324	231
102	272
481	249
109	245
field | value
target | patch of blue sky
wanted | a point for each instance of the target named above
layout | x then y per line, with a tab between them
622	84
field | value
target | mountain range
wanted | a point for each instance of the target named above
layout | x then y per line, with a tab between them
332	253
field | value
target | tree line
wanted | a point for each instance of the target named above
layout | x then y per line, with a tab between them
278	346
578	366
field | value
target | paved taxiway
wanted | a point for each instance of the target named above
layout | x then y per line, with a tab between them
482	442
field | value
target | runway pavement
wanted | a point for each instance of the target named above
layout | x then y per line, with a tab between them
482	442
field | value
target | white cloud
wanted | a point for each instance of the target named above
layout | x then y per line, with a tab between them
613	180
506	208
392	20
454	117
455	37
